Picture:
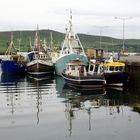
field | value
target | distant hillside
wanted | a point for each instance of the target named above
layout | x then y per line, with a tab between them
88	41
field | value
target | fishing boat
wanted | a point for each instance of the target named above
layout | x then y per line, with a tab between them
79	75
14	62
115	74
39	61
71	50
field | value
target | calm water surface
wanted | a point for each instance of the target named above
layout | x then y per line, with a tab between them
47	109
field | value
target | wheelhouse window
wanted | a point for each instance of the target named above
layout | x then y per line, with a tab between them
72	68
121	68
111	68
116	68
91	67
96	68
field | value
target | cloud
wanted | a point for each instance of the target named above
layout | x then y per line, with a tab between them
54	14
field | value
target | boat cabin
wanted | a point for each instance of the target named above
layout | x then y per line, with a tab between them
96	53
113	67
78	68
35	55
41	56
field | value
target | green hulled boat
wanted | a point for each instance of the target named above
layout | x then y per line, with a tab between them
71	49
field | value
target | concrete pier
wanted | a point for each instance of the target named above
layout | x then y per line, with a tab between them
131	60
133	67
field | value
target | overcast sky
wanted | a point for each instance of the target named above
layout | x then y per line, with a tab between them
89	16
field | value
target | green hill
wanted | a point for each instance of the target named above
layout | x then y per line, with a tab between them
88	41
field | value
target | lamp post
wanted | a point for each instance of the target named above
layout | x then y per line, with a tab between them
101	29
123	19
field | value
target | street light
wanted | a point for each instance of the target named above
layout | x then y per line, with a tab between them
123	19
101	29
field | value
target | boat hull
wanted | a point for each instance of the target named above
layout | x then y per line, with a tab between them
60	64
12	67
85	82
40	68
117	78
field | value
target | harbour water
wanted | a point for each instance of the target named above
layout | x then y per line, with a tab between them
47	109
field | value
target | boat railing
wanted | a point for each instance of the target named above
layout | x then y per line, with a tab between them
41	57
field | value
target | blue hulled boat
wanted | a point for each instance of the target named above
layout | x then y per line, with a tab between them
12	67
14	62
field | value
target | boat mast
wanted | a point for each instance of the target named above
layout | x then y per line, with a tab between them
72	42
30	42
37	41
71	33
70	21
11	45
75	36
19	41
66	44
51	40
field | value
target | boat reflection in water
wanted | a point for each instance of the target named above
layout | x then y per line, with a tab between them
16	91
79	100
10	93
41	88
41	107
42	79
11	78
114	100
79	103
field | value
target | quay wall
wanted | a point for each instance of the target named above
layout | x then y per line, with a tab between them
133	67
